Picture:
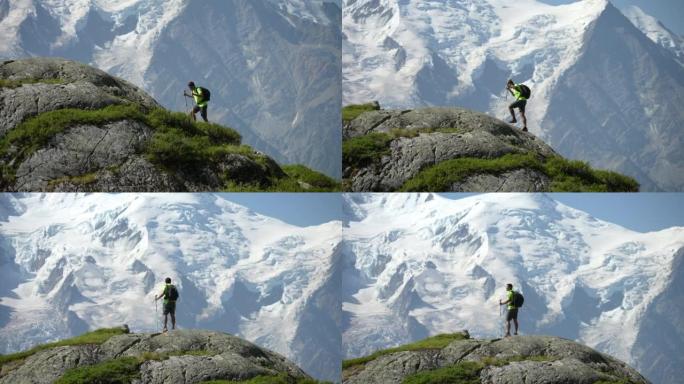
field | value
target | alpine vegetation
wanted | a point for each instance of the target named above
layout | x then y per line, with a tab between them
70	127
419	265
458	150
273	66
606	89
71	263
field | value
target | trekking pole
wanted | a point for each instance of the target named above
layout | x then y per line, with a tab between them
156	316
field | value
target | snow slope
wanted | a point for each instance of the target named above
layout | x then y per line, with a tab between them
408	54
272	66
77	262
656	31
421	264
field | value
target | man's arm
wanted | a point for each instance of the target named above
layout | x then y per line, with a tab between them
504	302
160	295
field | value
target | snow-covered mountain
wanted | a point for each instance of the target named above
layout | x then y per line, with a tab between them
603	91
72	262
273	66
422	264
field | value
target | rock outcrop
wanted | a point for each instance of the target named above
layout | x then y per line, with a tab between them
181	356
65	126
385	149
513	360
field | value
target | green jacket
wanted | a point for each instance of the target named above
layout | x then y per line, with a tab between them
199	97
166	293
517	92
510	300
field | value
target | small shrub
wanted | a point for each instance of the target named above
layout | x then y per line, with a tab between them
318	181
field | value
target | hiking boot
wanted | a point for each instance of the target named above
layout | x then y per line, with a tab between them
512	121
524	129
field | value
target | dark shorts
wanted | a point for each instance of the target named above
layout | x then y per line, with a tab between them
520	104
202	110
170	308
512	314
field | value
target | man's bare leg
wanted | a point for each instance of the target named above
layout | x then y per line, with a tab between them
514	120
524	119
515	321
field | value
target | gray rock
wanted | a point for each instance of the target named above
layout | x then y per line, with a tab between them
475	135
82	87
562	362
223	357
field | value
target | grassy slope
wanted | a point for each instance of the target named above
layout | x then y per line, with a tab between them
565	175
177	144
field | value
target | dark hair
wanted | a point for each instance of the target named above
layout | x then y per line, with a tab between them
510	81
191	84
509	285
168	280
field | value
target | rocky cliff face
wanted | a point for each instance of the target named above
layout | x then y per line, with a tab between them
65	126
446	149
181	356
518	359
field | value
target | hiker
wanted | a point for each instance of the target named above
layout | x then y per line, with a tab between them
170	295
201	96
514	302
521	93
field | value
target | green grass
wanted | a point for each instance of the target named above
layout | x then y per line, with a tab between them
361	151
318	181
279	379
467	372
353	111
565	175
121	370
118	371
96	337
435	342
6	83
441	176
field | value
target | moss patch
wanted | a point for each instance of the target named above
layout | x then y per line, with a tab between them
565	175
317	181
279	379
364	150
353	111
118	371
96	337
435	342
461	373
6	83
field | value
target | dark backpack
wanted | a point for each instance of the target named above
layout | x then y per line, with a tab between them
525	91
173	293
518	299
206	94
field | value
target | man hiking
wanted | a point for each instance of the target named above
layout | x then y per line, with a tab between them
512	313
521	94
202	97
170	295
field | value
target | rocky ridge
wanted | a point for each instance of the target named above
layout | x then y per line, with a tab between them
513	360
391	150
65	126
181	356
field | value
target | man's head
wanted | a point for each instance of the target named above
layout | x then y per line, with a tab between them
191	85
168	280
509	287
510	83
